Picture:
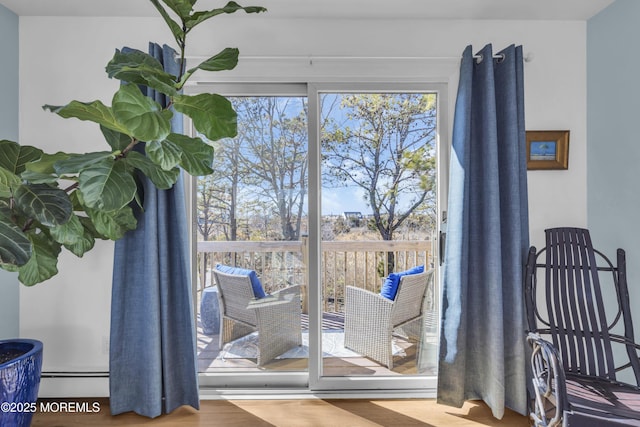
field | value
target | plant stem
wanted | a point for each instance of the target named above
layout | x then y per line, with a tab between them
27	225
72	187
128	148
183	48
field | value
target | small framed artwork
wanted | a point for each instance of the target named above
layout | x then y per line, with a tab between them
547	149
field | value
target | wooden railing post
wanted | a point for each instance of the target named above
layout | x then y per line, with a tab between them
203	270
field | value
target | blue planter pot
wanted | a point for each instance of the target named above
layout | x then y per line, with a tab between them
19	381
210	311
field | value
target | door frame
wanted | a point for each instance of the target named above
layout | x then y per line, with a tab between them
317	381
313	381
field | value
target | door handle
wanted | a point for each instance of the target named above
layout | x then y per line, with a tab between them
441	246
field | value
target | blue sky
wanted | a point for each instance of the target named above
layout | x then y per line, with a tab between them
339	200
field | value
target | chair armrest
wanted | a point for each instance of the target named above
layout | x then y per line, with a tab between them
549	382
278	311
633	352
282	296
290	290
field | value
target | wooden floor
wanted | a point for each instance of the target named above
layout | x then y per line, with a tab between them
295	413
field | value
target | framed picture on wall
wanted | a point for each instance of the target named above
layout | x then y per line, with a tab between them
547	149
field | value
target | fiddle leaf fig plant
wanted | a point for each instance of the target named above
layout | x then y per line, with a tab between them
51	201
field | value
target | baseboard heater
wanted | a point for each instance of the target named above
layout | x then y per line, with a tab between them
61	374
62	384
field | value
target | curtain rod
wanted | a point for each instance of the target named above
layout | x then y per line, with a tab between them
528	57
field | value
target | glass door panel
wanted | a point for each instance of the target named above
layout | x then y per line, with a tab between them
378	216
252	214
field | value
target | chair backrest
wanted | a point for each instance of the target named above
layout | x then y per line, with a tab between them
409	300
235	293
564	287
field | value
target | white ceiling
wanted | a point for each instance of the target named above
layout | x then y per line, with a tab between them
335	9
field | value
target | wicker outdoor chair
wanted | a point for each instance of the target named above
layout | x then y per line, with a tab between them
276	317
568	294
370	318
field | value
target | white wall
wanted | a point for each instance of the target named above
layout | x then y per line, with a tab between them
613	149
64	58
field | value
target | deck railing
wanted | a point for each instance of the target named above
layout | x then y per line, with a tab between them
344	263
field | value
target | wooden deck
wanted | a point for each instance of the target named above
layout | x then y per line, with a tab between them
210	358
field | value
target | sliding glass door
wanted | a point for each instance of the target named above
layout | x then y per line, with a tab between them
252	214
377	170
326	191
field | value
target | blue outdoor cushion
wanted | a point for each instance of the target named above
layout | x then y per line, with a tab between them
390	286
258	292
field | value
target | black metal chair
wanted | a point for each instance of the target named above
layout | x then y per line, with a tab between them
571	292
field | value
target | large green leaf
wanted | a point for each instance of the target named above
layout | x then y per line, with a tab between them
164	153
113	225
90	228
44	260
68	233
163	179
74	235
15	247
86	242
212	114
94	111
118	141
143	118
15	156
5	210
137	67
9	267
8	180
231	7
182	8
108	185
50	206
197	155
39	178
77	201
176	29
76	163
225	60
46	162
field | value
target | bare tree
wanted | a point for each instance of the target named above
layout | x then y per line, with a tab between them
218	193
260	173
207	212
383	144
273	137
